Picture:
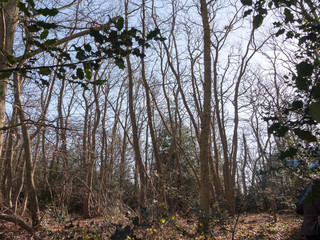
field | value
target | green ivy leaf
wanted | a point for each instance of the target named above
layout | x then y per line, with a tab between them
302	83
297	105
120	23
246	2
43	24
289	153
80	73
87	47
48	12
99	82
44	34
120	63
153	34
281	131
316	91
97	36
290	34
33	28
50	42
246	13
44	71
88	73
315	111
23	8
288	16
280	32
305	135
304	69
257	21
81	55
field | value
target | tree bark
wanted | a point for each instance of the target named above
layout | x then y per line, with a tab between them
29	179
205	124
8	22
134	127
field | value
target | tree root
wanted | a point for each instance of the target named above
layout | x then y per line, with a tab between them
21	223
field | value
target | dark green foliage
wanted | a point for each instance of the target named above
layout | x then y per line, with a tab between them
315	111
257	20
304	69
298	104
123	233
113	41
48	12
246	2
44	71
305	135
288	16
44	34
301	114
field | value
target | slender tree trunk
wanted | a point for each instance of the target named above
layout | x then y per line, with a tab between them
123	162
30	186
205	124
7	188
9	14
134	127
86	161
159	184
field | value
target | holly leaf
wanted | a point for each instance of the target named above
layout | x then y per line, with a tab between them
304	69
315	111
44	71
288	16
120	23
22	7
280	32
88	73
44	34
246	2
305	135
80	73
48	12
257	21
50	42
297	105
99	82
87	47
246	13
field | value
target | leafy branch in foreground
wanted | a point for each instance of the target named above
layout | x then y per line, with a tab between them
111	41
301	115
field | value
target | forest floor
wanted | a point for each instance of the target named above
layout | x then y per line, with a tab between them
117	227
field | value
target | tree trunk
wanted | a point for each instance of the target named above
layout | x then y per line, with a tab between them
7	188
134	127
205	124
29	180
9	14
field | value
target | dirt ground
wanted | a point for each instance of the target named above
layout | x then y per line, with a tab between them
119	226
